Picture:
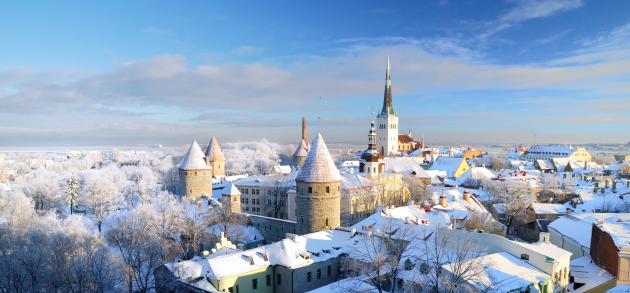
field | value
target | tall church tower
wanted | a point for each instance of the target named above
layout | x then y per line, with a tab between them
318	191
215	158
369	164
387	120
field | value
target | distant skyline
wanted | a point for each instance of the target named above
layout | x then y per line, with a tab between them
167	72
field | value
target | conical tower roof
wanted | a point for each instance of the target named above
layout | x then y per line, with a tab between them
214	152
302	150
319	165
193	160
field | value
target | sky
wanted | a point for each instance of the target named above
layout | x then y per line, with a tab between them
167	72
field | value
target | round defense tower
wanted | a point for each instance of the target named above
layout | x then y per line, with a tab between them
318	191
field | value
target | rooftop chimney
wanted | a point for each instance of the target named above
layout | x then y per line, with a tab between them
443	200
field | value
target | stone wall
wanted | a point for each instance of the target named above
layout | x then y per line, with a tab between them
194	183
319	209
271	228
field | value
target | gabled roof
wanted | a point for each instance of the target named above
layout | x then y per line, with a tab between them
214	151
319	165
448	164
302	150
193	159
405	138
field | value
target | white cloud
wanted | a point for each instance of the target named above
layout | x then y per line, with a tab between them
165	99
527	10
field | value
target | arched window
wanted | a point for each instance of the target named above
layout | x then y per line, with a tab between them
326	222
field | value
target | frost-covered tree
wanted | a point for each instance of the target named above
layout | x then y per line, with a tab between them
133	234
168	223
379	255
194	229
49	255
42	186
99	195
71	190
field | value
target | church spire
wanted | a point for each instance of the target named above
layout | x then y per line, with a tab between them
388	108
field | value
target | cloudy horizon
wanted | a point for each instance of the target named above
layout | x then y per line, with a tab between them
554	71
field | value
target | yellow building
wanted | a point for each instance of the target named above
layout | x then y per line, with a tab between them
454	167
580	155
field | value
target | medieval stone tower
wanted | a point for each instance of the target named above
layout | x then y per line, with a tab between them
387	130
195	177
214	158
318	191
302	151
369	164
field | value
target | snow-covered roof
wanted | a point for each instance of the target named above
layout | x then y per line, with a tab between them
193	159
456	206
319	165
405	216
575	226
281	169
344	285
547	249
585	271
548	208
351	181
503	273
448	164
293	252
280	180
405	166
475	173
230	189
562	149
302	150
617	225
214	151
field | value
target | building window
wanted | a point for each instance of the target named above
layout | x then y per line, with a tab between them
525	256
310	190
255	284
231	289
329	270
237	291
279	279
319	274
268	279
326	222
308	277
327	189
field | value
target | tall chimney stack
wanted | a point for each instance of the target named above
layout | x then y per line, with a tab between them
304	129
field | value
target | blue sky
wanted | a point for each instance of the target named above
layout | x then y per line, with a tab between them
143	72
